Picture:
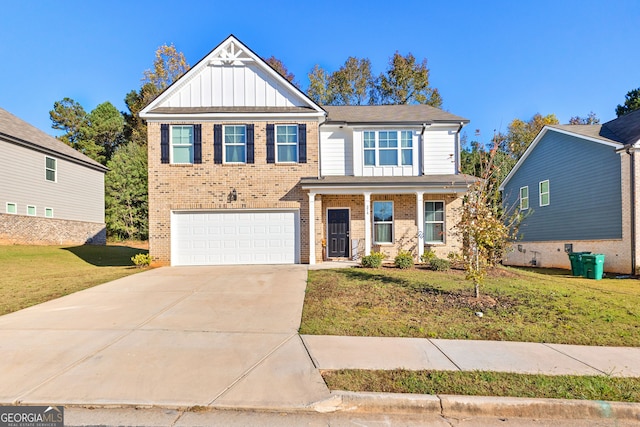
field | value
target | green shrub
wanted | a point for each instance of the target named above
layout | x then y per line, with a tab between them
404	260
141	260
374	260
427	256
439	264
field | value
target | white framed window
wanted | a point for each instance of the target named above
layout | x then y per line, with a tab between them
524	198
434	231
48	212
286	143
181	144
388	148
51	169
31	210
235	144
12	208
383	222
544	193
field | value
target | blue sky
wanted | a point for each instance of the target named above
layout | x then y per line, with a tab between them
492	61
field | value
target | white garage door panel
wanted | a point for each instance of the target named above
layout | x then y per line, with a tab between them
210	238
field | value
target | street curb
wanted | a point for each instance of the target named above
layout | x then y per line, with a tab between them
484	406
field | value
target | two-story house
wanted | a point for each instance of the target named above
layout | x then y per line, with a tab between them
50	194
244	168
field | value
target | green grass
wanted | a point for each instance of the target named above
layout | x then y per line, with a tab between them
534	305
481	383
35	274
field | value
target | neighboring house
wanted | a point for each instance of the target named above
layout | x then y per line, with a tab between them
244	168
578	188
50	194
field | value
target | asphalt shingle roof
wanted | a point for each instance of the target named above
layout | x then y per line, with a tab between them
17	131
382	114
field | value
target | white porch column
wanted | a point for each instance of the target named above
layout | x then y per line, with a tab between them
367	224
312	228
420	221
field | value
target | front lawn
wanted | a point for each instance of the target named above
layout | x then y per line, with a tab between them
35	274
534	305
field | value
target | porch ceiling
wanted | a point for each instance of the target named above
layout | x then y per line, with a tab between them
435	184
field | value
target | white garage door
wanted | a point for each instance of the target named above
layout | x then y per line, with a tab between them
238	237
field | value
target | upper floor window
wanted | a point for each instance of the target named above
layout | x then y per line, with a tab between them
434	222
50	169
48	212
31	210
181	144
544	193
524	198
12	208
388	148
286	143
383	222
235	144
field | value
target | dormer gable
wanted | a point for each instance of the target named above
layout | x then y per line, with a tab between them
231	80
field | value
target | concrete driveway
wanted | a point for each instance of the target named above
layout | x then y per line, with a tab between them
172	337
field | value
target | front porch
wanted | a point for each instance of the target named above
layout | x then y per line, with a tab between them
353	216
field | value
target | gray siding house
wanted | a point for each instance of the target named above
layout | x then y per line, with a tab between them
49	192
577	187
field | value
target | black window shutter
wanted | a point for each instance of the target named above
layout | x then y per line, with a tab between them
302	143
164	143
271	146
217	144
250	145
197	143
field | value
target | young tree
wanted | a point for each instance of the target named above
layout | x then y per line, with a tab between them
631	103
520	133
485	227
126	199
406	81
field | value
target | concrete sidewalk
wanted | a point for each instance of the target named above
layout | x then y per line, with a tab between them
339	352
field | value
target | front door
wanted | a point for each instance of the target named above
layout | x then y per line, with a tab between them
338	238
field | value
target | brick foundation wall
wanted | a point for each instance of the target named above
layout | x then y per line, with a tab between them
31	230
206	186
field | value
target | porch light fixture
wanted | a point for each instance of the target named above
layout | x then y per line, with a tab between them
233	196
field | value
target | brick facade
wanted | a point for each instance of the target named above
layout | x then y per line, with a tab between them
32	230
206	186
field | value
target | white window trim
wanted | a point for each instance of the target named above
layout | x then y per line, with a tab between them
520	197
7	208
548	193
224	145
35	211
45	212
444	223
171	145
276	143
55	171
376	148
374	222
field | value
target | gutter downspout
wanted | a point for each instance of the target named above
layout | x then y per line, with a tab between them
632	182
457	154
421	148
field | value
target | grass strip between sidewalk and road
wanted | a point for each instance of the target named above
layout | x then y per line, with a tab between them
531	305
482	383
35	274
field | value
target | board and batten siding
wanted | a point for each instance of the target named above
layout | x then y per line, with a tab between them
336	155
359	169
585	191
77	195
232	86
439	151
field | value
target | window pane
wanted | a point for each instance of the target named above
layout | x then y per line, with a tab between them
182	154
48	212
407	157
51	175
524	192
544	199
388	139
405	139
12	208
369	157
388	157
383	211
369	139
51	163
31	210
544	187
287	153
287	133
234	153
382	233
433	232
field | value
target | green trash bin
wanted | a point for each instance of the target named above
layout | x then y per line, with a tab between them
576	262
593	266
